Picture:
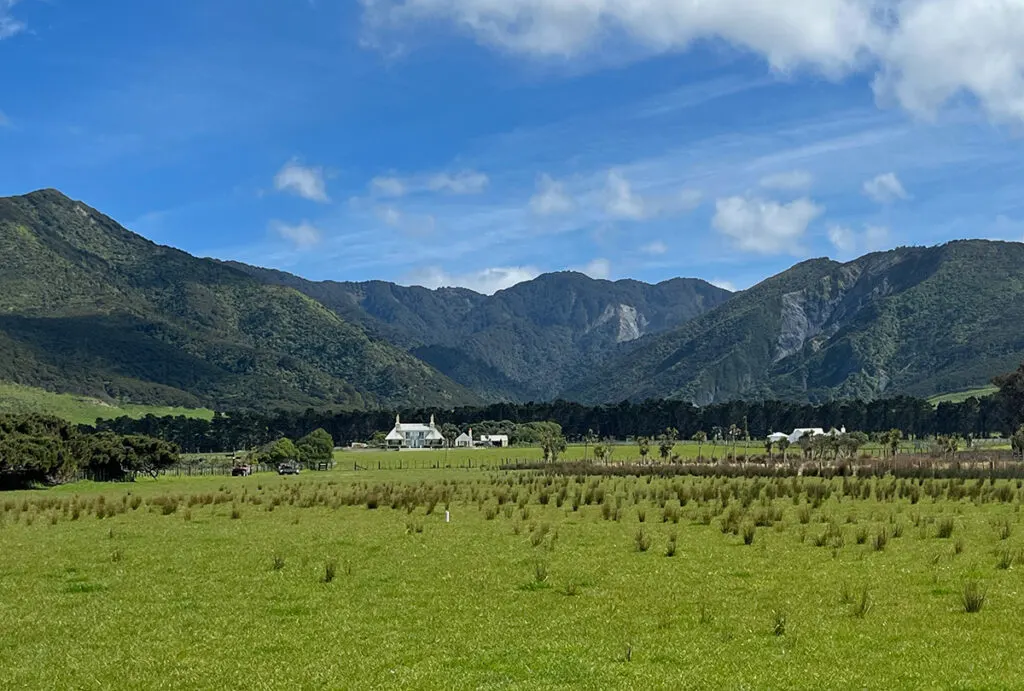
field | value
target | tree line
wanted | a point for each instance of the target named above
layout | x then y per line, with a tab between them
44	450
974	418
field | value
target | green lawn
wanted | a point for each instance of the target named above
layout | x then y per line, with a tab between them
15	398
526	587
961	396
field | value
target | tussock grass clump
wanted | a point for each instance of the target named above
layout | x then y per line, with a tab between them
117	555
235	513
540	572
958	546
1004	529
881	540
670	550
749	531
571	589
863	604
330	570
973	596
278	563
944	529
778	622
641	515
1006	559
642	540
862	535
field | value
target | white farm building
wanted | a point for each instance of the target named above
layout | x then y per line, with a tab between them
413	435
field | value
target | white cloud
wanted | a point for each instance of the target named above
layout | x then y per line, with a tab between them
848	241
464	182
655	248
794	180
486	281
387	186
600	269
924	52
306	182
762	226
687	200
829	34
724	285
390	215
9	26
885	189
943	48
620	201
551	198
303	236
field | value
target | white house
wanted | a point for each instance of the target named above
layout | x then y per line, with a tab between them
414	435
494	440
799	433
464	440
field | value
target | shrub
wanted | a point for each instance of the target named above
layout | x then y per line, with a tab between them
972	597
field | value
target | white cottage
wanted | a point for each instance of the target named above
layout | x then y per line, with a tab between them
464	440
414	435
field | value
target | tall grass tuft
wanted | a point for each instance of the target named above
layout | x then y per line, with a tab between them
670	550
642	540
863	604
944	529
330	569
540	572
1006	559
749	530
972	596
881	540
1004	529
779	622
278	562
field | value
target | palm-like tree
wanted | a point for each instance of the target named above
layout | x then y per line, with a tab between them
701	436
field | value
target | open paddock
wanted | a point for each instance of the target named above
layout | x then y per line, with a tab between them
538	580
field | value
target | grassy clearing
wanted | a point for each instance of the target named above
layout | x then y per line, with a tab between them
15	398
339	578
961	396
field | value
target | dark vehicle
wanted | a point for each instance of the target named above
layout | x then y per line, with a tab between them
288	469
241	470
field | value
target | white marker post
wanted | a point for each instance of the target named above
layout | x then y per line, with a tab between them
447	517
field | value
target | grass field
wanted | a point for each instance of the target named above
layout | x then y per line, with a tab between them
961	396
79	409
342	579
375	459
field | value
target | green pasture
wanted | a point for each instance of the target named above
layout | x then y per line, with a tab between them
347	579
961	396
377	459
80	409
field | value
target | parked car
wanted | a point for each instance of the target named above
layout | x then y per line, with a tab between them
241	470
288	469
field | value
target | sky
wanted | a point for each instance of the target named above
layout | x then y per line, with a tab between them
482	142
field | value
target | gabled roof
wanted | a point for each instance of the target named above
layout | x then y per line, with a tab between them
395	435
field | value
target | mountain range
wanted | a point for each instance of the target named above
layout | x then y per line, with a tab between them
88	307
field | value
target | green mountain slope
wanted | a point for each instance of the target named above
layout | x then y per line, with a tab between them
88	307
527	342
914	320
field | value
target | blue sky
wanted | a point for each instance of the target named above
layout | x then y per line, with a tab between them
479	142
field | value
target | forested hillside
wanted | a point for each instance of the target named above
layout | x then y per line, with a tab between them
914	320
528	342
88	307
